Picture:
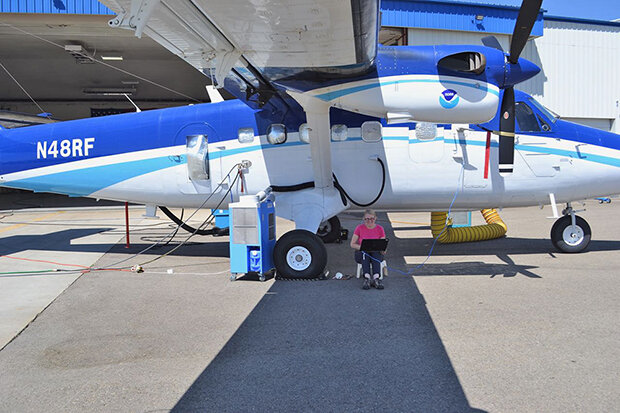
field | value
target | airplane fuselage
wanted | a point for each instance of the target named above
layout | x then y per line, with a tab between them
142	157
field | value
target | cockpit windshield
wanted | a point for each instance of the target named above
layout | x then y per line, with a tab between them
551	115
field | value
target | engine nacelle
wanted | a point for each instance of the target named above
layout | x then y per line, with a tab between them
439	84
422	98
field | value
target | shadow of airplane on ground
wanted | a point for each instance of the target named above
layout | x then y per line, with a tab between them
330	346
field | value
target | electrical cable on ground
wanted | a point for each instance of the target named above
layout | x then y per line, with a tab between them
187	220
197	229
176	229
112	267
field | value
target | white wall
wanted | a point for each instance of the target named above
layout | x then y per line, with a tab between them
580	64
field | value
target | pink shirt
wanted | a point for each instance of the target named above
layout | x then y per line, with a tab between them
364	233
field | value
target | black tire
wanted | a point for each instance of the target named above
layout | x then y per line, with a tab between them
329	231
300	254
560	235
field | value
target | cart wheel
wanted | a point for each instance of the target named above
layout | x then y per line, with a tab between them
233	277
261	277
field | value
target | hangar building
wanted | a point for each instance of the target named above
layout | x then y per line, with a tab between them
579	58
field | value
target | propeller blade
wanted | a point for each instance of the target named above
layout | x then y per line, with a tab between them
491	41
507	132
523	27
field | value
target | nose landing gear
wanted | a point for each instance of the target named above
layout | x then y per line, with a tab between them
571	233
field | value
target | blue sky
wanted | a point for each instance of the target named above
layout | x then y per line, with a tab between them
590	9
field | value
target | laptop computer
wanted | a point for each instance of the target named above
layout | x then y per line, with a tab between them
371	245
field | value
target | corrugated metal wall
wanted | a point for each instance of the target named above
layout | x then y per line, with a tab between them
421	37
54	7
580	65
449	15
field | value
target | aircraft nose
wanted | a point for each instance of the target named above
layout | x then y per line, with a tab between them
519	72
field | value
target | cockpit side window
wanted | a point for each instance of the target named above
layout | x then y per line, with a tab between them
526	118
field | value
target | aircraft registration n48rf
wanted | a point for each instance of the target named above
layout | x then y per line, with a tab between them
407	125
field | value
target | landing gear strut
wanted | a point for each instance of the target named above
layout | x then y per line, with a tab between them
571	233
300	254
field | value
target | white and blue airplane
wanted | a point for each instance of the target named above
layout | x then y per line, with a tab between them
325	116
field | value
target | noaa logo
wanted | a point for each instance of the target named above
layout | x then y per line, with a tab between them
448	99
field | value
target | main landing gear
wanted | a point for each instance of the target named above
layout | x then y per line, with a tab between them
300	254
571	233
329	231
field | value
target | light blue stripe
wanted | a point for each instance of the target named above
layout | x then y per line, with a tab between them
230	152
343	92
85	181
606	160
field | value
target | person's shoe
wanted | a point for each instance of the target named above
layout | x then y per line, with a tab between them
378	284
366	285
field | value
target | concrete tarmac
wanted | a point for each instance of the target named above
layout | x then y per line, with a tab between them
503	325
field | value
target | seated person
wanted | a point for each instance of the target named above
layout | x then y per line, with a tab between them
369	230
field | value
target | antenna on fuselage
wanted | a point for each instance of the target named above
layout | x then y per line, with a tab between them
132	102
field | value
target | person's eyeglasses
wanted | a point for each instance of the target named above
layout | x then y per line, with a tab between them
369	219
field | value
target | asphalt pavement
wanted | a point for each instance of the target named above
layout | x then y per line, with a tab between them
503	325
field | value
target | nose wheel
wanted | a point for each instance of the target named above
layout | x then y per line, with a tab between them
569	237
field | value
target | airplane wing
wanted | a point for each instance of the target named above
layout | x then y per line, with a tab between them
248	45
10	120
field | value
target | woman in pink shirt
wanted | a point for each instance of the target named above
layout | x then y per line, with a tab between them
368	230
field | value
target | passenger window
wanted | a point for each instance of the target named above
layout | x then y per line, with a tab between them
245	135
339	133
276	134
371	131
526	118
304	133
197	161
425	131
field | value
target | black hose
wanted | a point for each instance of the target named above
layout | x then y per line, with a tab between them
176	230
342	191
186	227
291	188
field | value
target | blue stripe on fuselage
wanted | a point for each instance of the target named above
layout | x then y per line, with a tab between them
85	181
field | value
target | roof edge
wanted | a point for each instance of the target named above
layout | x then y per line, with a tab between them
585	21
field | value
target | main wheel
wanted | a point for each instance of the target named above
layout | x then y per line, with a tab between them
300	254
329	231
567	239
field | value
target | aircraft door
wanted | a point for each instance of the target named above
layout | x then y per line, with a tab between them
426	143
198	172
538	159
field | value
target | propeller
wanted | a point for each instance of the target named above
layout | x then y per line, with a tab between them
523	27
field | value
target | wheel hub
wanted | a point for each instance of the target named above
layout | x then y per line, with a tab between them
298	258
572	236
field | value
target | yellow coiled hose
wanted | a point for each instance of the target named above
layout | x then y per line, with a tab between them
494	228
